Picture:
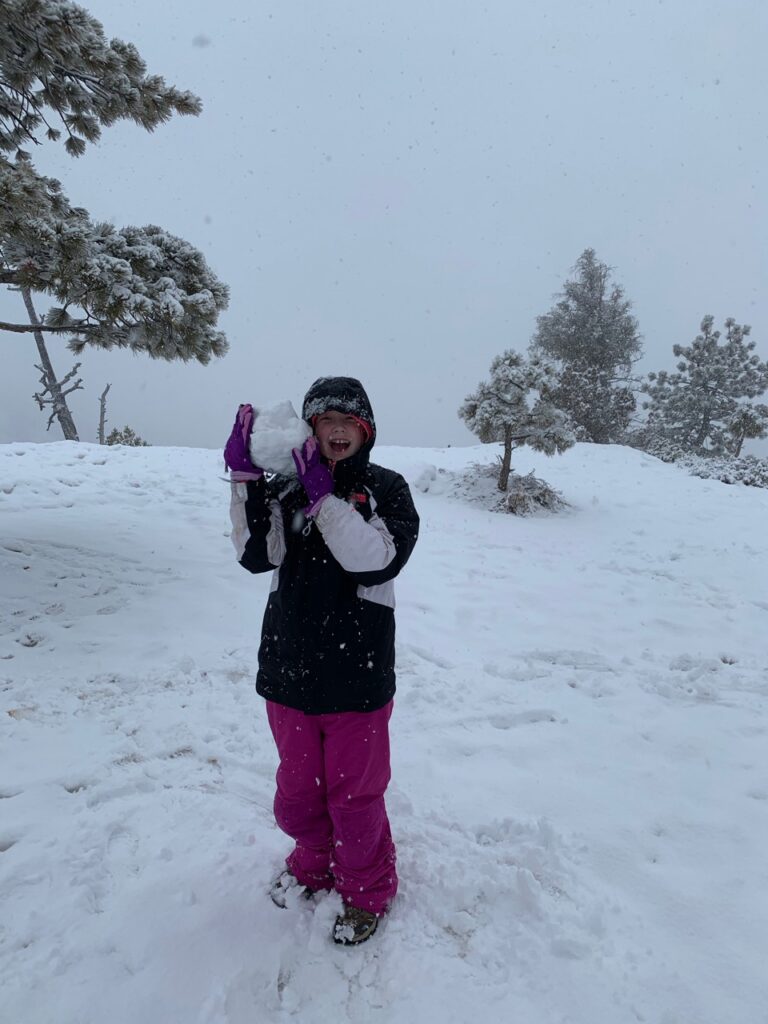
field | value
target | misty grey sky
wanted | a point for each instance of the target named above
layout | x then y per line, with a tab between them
396	192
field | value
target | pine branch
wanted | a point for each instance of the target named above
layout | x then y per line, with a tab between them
73	328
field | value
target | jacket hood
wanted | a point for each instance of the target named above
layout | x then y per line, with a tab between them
343	394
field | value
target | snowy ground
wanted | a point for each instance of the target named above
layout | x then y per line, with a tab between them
580	794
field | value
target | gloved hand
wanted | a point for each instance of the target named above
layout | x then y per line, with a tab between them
314	475
236	456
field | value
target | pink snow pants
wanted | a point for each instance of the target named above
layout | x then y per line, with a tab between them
331	780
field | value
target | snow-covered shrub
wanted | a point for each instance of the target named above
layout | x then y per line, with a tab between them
747	470
527	494
663	448
433	480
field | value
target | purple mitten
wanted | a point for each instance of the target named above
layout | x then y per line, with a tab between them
314	475
236	457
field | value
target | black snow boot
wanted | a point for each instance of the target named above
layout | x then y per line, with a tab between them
354	926
283	885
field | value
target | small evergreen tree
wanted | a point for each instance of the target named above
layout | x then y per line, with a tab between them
593	338
705	407
127	437
514	407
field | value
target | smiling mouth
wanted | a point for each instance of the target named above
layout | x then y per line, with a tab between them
338	445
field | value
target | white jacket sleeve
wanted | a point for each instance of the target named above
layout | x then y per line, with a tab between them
358	546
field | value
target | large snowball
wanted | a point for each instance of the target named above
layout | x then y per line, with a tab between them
276	431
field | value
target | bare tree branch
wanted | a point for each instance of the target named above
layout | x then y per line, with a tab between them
103	412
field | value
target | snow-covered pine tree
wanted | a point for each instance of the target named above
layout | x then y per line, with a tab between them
514	407
749	422
138	288
127	436
593	337
705	407
135	287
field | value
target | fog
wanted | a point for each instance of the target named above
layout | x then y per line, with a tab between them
397	192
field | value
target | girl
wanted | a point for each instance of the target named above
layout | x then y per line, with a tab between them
335	543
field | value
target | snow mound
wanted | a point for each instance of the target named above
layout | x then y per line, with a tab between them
276	431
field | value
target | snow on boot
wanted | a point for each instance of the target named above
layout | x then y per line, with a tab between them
354	926
284	885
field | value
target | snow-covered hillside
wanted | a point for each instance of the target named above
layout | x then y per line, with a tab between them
580	792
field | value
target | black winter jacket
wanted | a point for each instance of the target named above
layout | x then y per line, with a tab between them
328	637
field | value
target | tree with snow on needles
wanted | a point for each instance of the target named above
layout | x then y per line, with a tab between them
140	288
706	407
593	337
514	407
127	436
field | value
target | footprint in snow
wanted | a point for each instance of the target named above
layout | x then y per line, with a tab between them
522	718
430	657
30	639
120	854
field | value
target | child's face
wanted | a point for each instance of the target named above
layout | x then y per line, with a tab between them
339	435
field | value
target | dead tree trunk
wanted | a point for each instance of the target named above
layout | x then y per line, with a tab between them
51	386
103	413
